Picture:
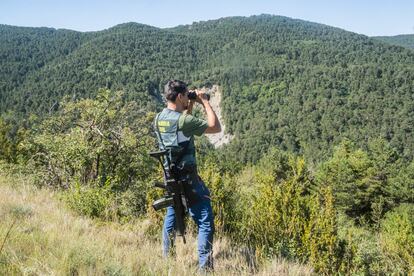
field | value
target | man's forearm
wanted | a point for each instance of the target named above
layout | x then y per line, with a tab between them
212	119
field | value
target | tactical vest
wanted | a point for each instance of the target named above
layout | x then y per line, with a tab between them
182	150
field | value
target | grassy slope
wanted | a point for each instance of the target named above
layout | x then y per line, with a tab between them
46	238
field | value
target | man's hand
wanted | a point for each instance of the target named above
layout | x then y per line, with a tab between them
201	97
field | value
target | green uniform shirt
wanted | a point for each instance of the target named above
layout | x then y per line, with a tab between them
191	125
177	130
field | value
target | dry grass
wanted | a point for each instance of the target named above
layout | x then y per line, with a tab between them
47	239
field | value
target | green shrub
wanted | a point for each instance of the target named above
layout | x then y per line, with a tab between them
91	200
361	252
279	215
221	188
361	179
320	236
90	139
114	269
397	239
81	259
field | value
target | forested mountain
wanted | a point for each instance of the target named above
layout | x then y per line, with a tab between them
325	117
24	51
406	41
298	85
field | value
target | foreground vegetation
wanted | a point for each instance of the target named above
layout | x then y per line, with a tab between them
45	238
351	214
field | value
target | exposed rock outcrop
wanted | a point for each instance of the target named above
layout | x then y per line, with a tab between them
221	138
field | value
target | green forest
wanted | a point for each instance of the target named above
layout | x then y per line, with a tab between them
400	40
320	170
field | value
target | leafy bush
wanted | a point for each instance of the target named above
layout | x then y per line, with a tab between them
93	139
397	239
221	188
401	187
91	200
90	143
361	253
276	212
361	179
11	135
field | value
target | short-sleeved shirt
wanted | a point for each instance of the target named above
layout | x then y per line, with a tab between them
191	125
188	127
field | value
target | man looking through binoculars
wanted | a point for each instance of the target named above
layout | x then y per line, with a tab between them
176	128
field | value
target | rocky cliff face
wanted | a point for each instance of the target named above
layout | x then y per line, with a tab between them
221	138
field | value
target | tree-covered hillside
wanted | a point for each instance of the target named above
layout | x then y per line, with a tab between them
325	117
298	85
406	41
24	51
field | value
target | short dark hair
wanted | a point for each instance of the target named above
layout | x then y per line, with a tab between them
173	88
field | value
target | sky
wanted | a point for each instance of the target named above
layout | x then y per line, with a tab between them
368	17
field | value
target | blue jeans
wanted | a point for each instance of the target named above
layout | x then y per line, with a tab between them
202	214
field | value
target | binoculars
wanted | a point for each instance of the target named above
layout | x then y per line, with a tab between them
192	95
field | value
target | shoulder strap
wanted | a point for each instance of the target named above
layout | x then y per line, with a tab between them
162	145
185	147
157	132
